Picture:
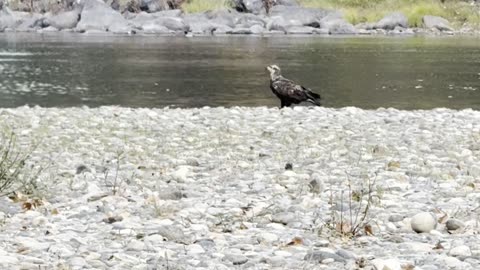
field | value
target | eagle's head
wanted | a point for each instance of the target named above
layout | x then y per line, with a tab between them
274	71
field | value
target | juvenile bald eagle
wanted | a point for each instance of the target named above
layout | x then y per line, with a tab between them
288	91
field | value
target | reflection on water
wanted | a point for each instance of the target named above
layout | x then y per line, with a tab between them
368	72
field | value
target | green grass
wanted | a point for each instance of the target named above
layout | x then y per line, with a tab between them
357	11
193	6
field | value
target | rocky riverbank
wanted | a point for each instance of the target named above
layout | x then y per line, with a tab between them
245	188
98	17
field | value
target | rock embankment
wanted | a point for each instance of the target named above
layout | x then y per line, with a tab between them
248	18
249	188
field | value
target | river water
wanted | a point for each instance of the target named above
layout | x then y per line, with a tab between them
61	70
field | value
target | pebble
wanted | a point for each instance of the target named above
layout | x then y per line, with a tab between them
390	264
454	224
460	251
236	259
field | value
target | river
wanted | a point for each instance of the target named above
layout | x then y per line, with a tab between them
63	70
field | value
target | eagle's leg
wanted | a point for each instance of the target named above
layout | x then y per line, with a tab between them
285	103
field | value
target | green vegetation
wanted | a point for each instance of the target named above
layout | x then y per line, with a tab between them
357	11
192	6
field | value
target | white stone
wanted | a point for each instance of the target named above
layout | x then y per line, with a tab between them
388	264
8	260
460	251
268	237
423	222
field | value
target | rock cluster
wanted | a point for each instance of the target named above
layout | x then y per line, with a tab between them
249	17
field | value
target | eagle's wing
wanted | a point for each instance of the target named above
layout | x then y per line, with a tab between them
288	89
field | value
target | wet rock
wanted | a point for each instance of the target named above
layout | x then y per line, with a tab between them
158	22
423	222
32	22
391	21
222	17
7	19
297	16
436	22
66	20
342	28
97	16
251	6
153	5
299	30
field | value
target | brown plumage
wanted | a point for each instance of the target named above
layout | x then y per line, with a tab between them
288	91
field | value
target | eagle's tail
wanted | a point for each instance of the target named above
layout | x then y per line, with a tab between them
313	98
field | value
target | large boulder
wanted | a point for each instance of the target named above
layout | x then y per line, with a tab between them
8	19
97	16
391	21
154	5
33	22
224	17
159	21
300	30
337	25
434	22
64	20
250	6
249	20
298	16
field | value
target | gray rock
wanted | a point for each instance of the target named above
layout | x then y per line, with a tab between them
257	29
249	20
300	30
174	233
298	16
250	6
423	222
224	17
319	256
321	31
97	16
202	27
64	20
435	22
391	21
157	22
460	251
283	217
207	244
347	255
236	259
35	21
240	31
395	218
8	19
454	224
342	28
153	5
